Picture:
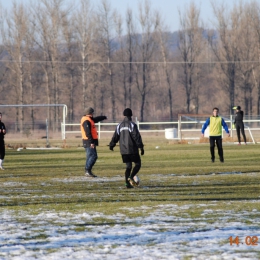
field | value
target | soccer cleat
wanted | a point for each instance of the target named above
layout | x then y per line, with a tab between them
212	160
88	173
239	143
129	186
132	182
221	160
1	167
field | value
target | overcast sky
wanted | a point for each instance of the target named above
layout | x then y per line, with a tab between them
169	8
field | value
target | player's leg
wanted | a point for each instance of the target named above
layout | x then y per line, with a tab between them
212	147
137	160
136	169
127	174
238	133
91	154
220	149
243	131
2	155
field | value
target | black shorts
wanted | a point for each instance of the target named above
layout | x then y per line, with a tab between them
131	158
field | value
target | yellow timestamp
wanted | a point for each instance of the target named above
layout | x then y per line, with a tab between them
249	240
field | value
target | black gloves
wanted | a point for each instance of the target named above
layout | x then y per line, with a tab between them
142	151
111	148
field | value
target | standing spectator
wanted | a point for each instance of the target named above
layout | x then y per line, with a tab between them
2	142
130	140
239	124
90	138
215	123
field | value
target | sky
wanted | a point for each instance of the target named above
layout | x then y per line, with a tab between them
168	8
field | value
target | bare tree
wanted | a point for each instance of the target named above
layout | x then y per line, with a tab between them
122	66
70	51
225	48
148	22
167	68
246	54
84	33
190	47
256	71
105	18
14	31
29	57
48	18
130	46
3	69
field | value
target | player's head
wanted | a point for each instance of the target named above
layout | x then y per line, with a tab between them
237	108
89	111
128	112
215	111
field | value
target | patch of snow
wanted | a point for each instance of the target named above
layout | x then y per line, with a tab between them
52	235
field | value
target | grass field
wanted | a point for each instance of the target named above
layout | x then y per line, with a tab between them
185	208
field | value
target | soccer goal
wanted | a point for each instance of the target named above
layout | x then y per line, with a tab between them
64	113
189	125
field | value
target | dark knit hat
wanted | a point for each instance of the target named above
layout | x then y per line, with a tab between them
89	111
127	112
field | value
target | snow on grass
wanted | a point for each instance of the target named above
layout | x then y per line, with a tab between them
160	235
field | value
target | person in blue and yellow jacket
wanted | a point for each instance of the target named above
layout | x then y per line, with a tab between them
215	123
90	138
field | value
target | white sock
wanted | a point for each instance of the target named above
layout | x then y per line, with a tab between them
1	162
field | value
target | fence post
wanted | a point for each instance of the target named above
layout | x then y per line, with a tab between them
137	122
63	131
231	125
179	128
99	132
47	133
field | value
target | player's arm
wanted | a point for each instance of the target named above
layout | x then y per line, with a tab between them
3	130
136	136
87	129
115	138
99	118
204	127
225	126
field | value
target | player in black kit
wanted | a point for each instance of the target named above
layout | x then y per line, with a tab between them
2	143
239	124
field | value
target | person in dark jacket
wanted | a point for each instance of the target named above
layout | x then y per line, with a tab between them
2	142
239	124
90	139
130	141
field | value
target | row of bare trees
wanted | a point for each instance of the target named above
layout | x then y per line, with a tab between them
84	55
